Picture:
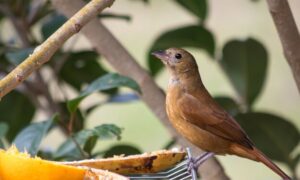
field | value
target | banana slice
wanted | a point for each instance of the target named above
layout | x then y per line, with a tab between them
135	164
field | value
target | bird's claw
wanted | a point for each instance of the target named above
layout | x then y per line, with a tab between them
191	164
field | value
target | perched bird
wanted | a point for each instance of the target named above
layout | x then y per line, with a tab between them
197	117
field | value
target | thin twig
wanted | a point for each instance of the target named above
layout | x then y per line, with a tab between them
83	154
45	51
288	33
108	46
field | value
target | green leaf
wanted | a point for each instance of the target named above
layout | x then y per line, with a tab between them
197	7
30	138
90	144
17	111
105	82
228	104
86	140
102	132
108	131
245	63
80	68
122	149
68	150
3	130
272	134
4	63
115	16
17	57
2	145
52	24
189	36
74	103
45	154
170	144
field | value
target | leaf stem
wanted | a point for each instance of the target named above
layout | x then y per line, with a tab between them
83	154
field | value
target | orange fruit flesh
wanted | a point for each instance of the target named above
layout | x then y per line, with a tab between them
20	166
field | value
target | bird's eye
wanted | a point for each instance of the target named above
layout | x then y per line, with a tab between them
178	56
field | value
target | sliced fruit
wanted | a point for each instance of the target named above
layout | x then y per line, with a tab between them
136	164
20	166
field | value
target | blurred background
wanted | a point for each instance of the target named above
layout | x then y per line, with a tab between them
226	20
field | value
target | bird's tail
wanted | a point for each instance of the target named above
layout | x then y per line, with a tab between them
264	159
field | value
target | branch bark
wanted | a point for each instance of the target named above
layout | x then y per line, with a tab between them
108	46
288	33
44	52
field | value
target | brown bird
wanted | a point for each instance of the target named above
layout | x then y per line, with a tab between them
197	117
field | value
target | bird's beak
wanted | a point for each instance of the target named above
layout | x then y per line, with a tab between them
161	54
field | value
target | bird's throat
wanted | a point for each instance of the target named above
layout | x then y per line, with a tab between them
174	81
187	81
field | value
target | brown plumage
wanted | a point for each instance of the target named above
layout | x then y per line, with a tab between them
196	116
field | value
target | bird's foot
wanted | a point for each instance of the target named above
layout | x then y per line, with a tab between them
194	163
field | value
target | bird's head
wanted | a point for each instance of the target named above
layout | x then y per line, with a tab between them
177	60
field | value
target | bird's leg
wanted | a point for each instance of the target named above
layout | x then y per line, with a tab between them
194	163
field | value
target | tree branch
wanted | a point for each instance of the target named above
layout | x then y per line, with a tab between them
288	33
44	52
108	46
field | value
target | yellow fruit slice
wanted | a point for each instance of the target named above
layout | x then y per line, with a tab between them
136	164
20	166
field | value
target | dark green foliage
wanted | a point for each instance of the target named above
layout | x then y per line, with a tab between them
196	7
80	145
17	111
76	69
16	57
115	16
122	149
30	138
81	68
228	104
245	63
51	24
3	130
106	82
170	144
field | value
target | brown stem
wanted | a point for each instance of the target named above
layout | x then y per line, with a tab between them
52	106
108	46
288	33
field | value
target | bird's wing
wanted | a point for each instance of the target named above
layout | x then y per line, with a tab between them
212	118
